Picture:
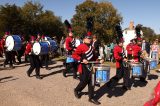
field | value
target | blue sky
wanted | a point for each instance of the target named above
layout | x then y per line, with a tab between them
145	12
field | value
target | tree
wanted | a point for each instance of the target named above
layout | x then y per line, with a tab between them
30	12
104	15
30	19
149	33
10	19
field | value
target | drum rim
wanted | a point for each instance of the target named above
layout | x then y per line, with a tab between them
102	68
136	64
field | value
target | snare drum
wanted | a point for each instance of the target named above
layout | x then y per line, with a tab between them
13	43
40	48
152	63
136	69
102	73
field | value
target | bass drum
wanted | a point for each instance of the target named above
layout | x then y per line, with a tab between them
52	44
13	43
40	48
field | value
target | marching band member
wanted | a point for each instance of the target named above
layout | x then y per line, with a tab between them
129	50
121	71
1	48
8	54
34	60
119	55
70	47
44	57
84	53
137	57
21	52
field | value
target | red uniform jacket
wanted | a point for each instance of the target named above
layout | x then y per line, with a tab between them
118	55
156	99
1	49
3	44
83	51
136	51
69	43
28	48
129	48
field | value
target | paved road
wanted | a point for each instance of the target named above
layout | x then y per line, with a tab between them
16	89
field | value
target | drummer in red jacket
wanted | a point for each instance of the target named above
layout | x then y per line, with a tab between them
83	54
137	57
136	50
129	50
70	43
121	70
34	60
70	47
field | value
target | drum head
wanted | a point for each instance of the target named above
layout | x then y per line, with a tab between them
9	43
36	48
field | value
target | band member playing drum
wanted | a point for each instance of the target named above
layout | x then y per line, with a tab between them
70	47
8	54
34	60
83	54
44	57
137	57
129	50
121	71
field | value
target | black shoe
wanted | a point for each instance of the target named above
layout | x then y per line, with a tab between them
38	77
74	76
11	66
47	68
76	94
28	74
16	63
143	80
64	73
4	65
126	88
94	101
97	84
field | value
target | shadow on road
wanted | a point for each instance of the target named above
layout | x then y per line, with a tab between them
111	91
52	73
10	78
57	66
152	76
